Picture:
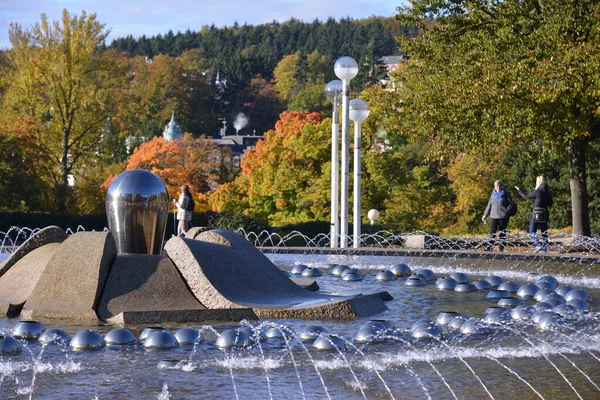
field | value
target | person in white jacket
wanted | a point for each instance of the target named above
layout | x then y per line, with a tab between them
184	214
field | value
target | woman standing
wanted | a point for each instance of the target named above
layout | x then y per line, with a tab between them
498	208
542	199
184	213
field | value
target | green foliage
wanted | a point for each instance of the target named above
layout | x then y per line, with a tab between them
233	222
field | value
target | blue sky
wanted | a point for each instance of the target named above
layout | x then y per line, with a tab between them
151	17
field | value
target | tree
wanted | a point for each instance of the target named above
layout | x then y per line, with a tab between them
285	76
57	83
485	75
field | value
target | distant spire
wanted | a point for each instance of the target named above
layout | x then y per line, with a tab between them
172	130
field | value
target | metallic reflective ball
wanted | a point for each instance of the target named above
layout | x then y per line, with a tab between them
160	340
494	280
427	331
527	292
473	326
498	317
401	269
28	330
522	312
312	332
168	364
350	270
188	336
274	333
286	273
539	314
9	345
421	321
253	333
563	290
119	336
329	342
552	301
352	276
567	311
482	285
459	277
547	278
578	294
382	324
338	270
87	340
545	285
446	283
415	280
151	329
54	336
298	269
465	287
541	294
496	294
533	276
312	272
232	338
386	275
495	309
368	334
445	317
581	305
550	322
543	306
553	295
510	286
457	322
426	274
510	302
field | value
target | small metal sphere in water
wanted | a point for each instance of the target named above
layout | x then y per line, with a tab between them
367	334
552	301
510	286
446	316
427	274
232	338
312	332
555	296
522	312
312	272
382	324
474	326
401	269
545	285
550	321
465	287
253	333
527	292
188	336
539	314
352	276
498	317
482	285
338	270
510	302
581	305
495	309
577	294
563	290
427	330
496	294
87	340
446	283
494	280
457	322
9	345
119	336
28	330
543	306
167	364
160	340
566	311
386	275
421	321
415	280
547	278
298	269
151	329
54	336
329	342
274	333
459	277
541	293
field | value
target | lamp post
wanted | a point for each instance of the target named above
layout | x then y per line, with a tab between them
373	216
346	69
333	92
359	111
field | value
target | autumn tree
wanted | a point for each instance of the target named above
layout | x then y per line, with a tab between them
488	74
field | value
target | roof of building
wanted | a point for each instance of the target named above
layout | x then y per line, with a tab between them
172	130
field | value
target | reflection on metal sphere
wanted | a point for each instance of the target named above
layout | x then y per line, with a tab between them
527	292
473	326
253	333
427	330
581	305
329	342
446	284
367	334
352	276
160	340
401	269
457	322
510	286
541	294
427	274
522	312
9	345
563	290
28	330
498	294
482	285
445	317
87	340
577	294
543	306
545	285
465	287
539	314
168	364
298	269
312	272
553	296
386	275
312	332
338	270
415	280
54	336
510	302
498	317
494	280
119	336
552	301
566	311
232	338
547	278
550	321
383	324
151	329
274	333
188	336
459	277
137	208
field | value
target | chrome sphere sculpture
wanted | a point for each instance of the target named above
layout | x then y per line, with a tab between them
188	336
547	278
382	324
551	321
446	317
577	294
474	326
232	338
546	285
459	277
87	340
482	285
457	322
253	333
28	330
386	275
151	329
160	340
581	305
543	306
427	331
54	336
496	294
567	311
427	274
312	332
541	294
274	333
312	272
553	301
510	286
539	314
465	287
9	345
338	270
510	302
522	312
298	269
401	269
119	336
415	280
137	209
329	342
352	276
495	280
367	334
526	292
446	284
563	290
168	364
553	296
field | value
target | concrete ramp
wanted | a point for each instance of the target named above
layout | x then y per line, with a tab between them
224	270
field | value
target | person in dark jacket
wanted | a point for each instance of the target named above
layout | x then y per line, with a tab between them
498	208
183	215
542	199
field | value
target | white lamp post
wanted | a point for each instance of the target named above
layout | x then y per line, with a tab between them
373	216
346	69
333	92
359	111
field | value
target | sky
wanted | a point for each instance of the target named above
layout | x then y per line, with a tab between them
153	17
